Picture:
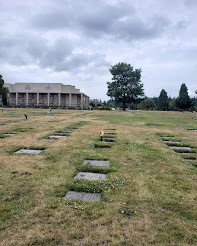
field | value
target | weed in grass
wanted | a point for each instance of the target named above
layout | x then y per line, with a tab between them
125	210
96	186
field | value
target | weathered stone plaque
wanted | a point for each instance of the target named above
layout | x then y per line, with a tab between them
96	163
172	142
57	136
87	197
178	147
29	151
48	139
90	176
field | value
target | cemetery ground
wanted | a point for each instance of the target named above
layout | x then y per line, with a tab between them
145	175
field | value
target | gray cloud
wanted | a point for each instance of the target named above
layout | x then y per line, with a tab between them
77	41
30	50
104	20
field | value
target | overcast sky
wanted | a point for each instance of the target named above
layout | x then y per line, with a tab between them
76	42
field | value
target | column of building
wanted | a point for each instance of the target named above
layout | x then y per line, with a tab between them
16	98
81	100
27	98
59	99
70	100
37	99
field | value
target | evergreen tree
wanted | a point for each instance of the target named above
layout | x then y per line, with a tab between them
163	101
183	102
1	85
3	91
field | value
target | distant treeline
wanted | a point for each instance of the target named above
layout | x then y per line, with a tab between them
164	103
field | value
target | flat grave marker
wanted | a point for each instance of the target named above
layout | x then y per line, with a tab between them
96	163
29	151
9	134
185	153
179	147
66	131
87	197
176	142
48	139
57	136
90	176
167	137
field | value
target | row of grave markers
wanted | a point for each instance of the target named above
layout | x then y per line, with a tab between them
56	135
89	196
187	152
85	196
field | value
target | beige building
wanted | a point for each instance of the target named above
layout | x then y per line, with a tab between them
46	95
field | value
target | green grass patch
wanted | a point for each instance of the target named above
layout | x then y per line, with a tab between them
95	169
103	145
179	145
96	186
152	124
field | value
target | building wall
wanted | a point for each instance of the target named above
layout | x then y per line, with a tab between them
64	99
12	99
46	95
32	99
21	99
43	99
54	97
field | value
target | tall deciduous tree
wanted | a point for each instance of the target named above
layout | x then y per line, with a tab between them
183	101
126	86
163	101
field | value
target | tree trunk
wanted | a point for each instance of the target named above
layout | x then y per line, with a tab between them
124	105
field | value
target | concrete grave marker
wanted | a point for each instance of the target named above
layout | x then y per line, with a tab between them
167	137
108	140
66	130
96	163
57	136
48	139
90	176
29	151
87	197
172	142
178	147
185	153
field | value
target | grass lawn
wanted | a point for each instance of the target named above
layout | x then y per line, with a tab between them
145	176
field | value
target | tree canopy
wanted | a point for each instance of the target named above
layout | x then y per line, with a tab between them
3	91
126	86
1	84
183	101
148	104
163	101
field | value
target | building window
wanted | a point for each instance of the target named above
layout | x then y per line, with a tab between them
48	87
27	87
